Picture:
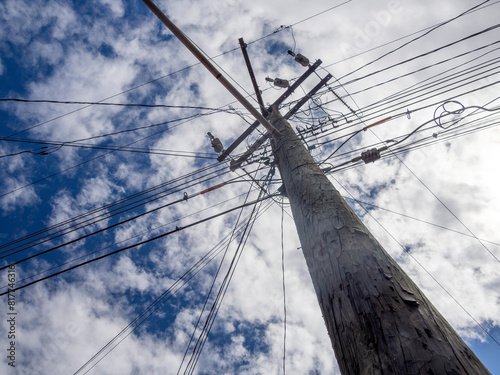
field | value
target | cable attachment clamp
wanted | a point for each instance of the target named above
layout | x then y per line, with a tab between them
370	156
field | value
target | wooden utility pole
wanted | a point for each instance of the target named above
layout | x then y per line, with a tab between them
378	320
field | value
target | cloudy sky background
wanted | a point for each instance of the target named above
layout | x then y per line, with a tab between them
118	52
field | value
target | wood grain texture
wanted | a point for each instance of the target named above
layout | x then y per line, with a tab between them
378	320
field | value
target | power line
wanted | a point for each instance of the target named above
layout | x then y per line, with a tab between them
222	292
142	234
407	251
177	229
13	251
20	100
158	302
119	210
403	37
184	154
416	219
414	39
320	13
133	198
284	286
207	298
93	158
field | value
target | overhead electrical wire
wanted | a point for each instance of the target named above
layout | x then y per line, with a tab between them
222	292
141	234
172	73
209	321
418	56
403	37
159	301
430	140
415	39
75	143
177	229
16	250
21	100
107	214
415	219
184	154
430	66
447	208
441	61
408	252
214	279
89	160
403	105
160	189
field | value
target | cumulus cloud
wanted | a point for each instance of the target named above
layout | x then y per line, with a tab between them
111	49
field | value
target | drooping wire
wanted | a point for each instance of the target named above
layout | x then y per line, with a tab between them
416	219
221	294
177	229
284	285
232	236
321	13
144	196
158	302
141	234
103	217
20	100
91	159
415	39
223	288
406	251
401	38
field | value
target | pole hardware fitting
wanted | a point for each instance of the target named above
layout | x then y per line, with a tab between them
282	191
216	143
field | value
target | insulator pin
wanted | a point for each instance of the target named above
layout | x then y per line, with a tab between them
216	143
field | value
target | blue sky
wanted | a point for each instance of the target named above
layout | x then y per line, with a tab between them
104	51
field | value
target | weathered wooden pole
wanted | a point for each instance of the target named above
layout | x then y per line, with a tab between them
378	320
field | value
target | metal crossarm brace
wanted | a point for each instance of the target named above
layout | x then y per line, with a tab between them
236	163
278	101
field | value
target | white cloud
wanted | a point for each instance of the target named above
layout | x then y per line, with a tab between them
68	54
115	6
